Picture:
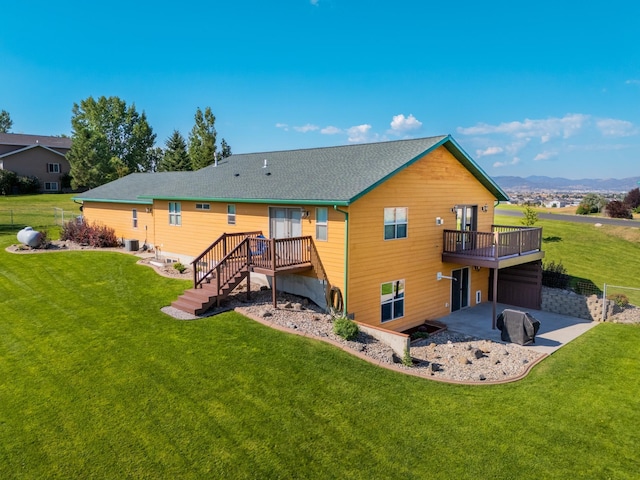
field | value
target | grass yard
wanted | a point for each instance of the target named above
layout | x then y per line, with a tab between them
37	211
597	255
95	382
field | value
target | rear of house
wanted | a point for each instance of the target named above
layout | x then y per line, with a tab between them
397	226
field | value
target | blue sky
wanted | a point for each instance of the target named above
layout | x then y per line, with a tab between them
545	88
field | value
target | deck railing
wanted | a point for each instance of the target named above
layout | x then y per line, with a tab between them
204	264
502	241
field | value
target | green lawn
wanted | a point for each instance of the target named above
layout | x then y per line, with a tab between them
37	211
95	382
592	255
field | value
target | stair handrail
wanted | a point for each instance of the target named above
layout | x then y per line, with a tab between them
200	277
225	261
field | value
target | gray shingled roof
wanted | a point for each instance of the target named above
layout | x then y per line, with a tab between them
20	139
331	175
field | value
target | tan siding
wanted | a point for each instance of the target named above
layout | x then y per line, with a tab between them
429	189
119	217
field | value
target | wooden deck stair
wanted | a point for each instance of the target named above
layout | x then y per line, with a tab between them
231	259
197	301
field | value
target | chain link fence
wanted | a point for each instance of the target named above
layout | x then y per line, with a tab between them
15	219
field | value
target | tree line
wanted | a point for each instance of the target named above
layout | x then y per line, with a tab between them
595	203
110	140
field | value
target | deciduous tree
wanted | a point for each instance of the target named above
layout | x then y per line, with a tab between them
5	121
632	199
110	140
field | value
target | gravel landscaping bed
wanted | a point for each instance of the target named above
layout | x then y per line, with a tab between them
446	356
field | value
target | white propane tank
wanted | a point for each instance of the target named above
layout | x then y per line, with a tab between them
30	237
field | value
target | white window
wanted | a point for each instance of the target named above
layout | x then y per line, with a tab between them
134	218
395	223
322	217
391	300
51	186
231	214
203	206
175	213
53	167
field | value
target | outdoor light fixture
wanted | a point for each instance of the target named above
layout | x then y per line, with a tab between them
485	208
454	209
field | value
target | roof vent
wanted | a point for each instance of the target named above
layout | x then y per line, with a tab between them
265	163
268	173
236	174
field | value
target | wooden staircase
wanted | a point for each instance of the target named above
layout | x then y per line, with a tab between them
231	258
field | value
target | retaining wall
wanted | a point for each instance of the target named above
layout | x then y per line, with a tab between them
569	303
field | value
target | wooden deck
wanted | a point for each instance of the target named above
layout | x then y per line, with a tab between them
505	246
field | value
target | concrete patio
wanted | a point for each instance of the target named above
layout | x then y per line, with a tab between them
555	330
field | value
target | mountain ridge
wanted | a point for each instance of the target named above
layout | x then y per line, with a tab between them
559	184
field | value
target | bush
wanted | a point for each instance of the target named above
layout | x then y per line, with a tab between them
583	209
27	185
345	328
620	299
179	267
8	180
554	275
617	209
99	236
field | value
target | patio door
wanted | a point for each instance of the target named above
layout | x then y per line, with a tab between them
466	221
285	222
460	289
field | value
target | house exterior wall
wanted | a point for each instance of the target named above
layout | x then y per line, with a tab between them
33	163
429	188
200	228
119	216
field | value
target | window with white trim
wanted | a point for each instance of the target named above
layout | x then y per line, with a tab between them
51	186
175	213
203	206
322	219
134	218
53	167
395	223
231	214
391	300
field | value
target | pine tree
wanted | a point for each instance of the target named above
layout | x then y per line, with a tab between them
202	139
5	121
176	158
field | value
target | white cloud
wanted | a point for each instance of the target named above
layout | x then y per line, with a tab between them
330	130
514	161
545	129
400	123
306	128
545	156
359	133
610	127
632	82
489	151
283	126
315	2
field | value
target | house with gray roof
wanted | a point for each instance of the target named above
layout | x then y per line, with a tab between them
39	156
392	234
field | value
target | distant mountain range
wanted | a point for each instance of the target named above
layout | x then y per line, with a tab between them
556	184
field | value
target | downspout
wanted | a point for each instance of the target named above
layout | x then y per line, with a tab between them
346	259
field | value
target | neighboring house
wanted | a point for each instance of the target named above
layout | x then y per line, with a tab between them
37	156
400	231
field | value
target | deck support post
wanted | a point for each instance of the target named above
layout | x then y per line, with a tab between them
274	292
495	298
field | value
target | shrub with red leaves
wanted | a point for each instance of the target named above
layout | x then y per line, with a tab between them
95	235
617	209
